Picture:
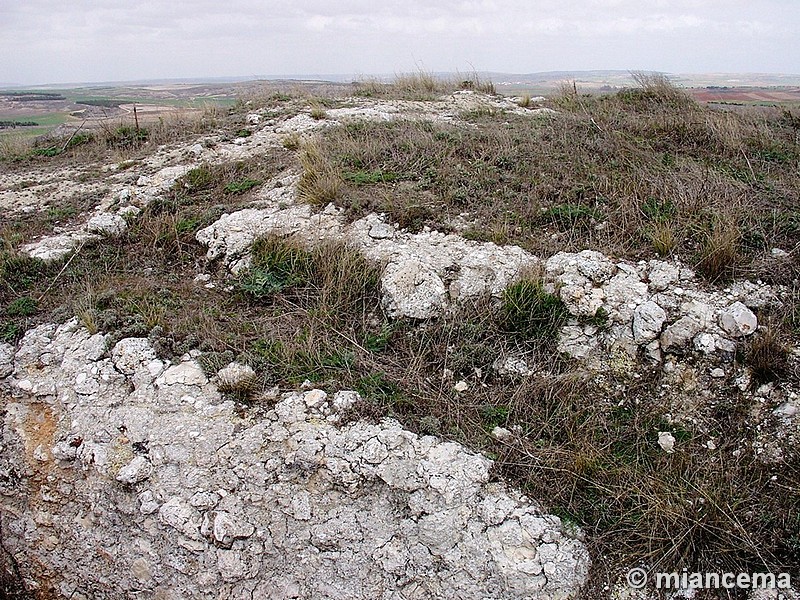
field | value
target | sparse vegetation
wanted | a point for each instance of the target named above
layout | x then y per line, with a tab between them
421	85
292	141
120	139
241	186
126	137
9	332
641	173
768	356
319	183
19	275
318	113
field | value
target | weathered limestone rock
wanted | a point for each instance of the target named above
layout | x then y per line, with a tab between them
381	231
575	342
180	515
423	272
233	234
56	247
623	293
737	320
663	275
512	365
578	276
667	441
135	471
164	178
705	343
187	373
641	299
107	224
590	264
236	375
184	494
6	360
131	354
412	289
648	319
225	528
677	336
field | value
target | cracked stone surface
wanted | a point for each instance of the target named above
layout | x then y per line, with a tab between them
178	495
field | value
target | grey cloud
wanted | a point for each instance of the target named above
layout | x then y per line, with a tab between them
52	40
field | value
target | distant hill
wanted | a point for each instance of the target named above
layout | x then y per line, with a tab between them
542	79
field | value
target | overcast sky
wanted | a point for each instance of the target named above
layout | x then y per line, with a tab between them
53	41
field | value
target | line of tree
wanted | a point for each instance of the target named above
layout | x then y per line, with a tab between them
15	124
103	103
33	96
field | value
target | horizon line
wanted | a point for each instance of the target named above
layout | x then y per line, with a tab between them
352	77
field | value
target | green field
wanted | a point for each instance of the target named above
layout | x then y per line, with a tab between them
76	99
45	123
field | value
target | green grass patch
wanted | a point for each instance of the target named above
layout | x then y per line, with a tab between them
260	283
531	312
18	272
296	362
241	186
10	332
21	307
126	136
378	388
200	178
569	216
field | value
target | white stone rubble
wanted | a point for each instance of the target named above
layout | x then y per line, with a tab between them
667	441
235	375
654	307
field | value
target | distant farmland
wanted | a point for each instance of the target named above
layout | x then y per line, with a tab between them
747	95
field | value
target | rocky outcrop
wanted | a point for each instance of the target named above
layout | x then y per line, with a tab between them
423	272
124	475
649	308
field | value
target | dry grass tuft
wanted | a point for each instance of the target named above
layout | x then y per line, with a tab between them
422	85
719	250
768	355
318	112
657	89
319	184
663	238
84	306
